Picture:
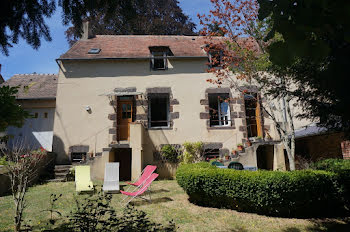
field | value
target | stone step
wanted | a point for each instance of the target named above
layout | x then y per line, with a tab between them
57	180
61	170
63	175
64	167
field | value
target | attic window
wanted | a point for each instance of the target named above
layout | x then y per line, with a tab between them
94	51
159	56
215	55
215	58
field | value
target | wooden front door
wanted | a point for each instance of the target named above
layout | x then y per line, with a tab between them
124	119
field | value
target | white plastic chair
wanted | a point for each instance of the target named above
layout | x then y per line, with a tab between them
111	181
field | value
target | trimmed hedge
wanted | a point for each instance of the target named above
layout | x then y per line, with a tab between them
341	168
334	165
303	193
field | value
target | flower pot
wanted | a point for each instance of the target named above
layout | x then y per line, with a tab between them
240	148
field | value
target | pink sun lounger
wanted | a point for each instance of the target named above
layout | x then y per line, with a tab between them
146	173
129	196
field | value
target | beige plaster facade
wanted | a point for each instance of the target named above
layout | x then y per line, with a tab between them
85	83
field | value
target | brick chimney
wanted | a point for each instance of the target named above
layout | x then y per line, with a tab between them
87	32
345	147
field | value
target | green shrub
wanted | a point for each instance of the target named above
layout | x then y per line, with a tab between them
341	168
299	193
94	214
3	160
192	152
333	165
170	153
71	174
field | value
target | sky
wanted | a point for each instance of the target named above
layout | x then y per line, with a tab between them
23	59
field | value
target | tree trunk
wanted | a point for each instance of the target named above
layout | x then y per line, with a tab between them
287	145
287	135
291	133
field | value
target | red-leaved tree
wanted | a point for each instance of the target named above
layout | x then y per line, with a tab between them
239	59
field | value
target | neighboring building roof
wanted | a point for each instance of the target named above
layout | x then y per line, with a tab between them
34	86
310	130
137	46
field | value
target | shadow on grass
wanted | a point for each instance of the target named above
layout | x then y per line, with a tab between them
326	225
154	201
159	191
129	188
239	229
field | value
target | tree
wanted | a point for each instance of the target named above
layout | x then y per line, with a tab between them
11	113
22	166
137	17
240	59
314	51
26	19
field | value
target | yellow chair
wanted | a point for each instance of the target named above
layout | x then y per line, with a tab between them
83	181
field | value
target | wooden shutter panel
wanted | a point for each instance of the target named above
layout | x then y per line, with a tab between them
258	117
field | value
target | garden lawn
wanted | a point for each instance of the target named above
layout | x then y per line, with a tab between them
169	202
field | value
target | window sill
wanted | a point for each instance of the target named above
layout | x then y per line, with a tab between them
159	69
160	128
221	128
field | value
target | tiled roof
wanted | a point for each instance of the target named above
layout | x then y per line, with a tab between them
34	86
310	130
137	46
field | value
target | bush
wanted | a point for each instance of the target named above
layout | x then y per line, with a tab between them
341	168
333	165
71	174
192	152
170	153
299	193
3	160
94	214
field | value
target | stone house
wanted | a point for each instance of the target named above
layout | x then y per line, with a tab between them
121	98
37	95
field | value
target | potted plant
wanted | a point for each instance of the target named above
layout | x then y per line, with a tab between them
234	154
240	147
249	143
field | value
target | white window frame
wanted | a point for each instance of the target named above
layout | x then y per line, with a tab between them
228	120
219	113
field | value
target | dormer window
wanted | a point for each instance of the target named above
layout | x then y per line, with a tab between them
159	57
215	55
215	58
159	61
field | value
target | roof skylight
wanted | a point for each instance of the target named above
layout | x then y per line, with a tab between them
94	51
